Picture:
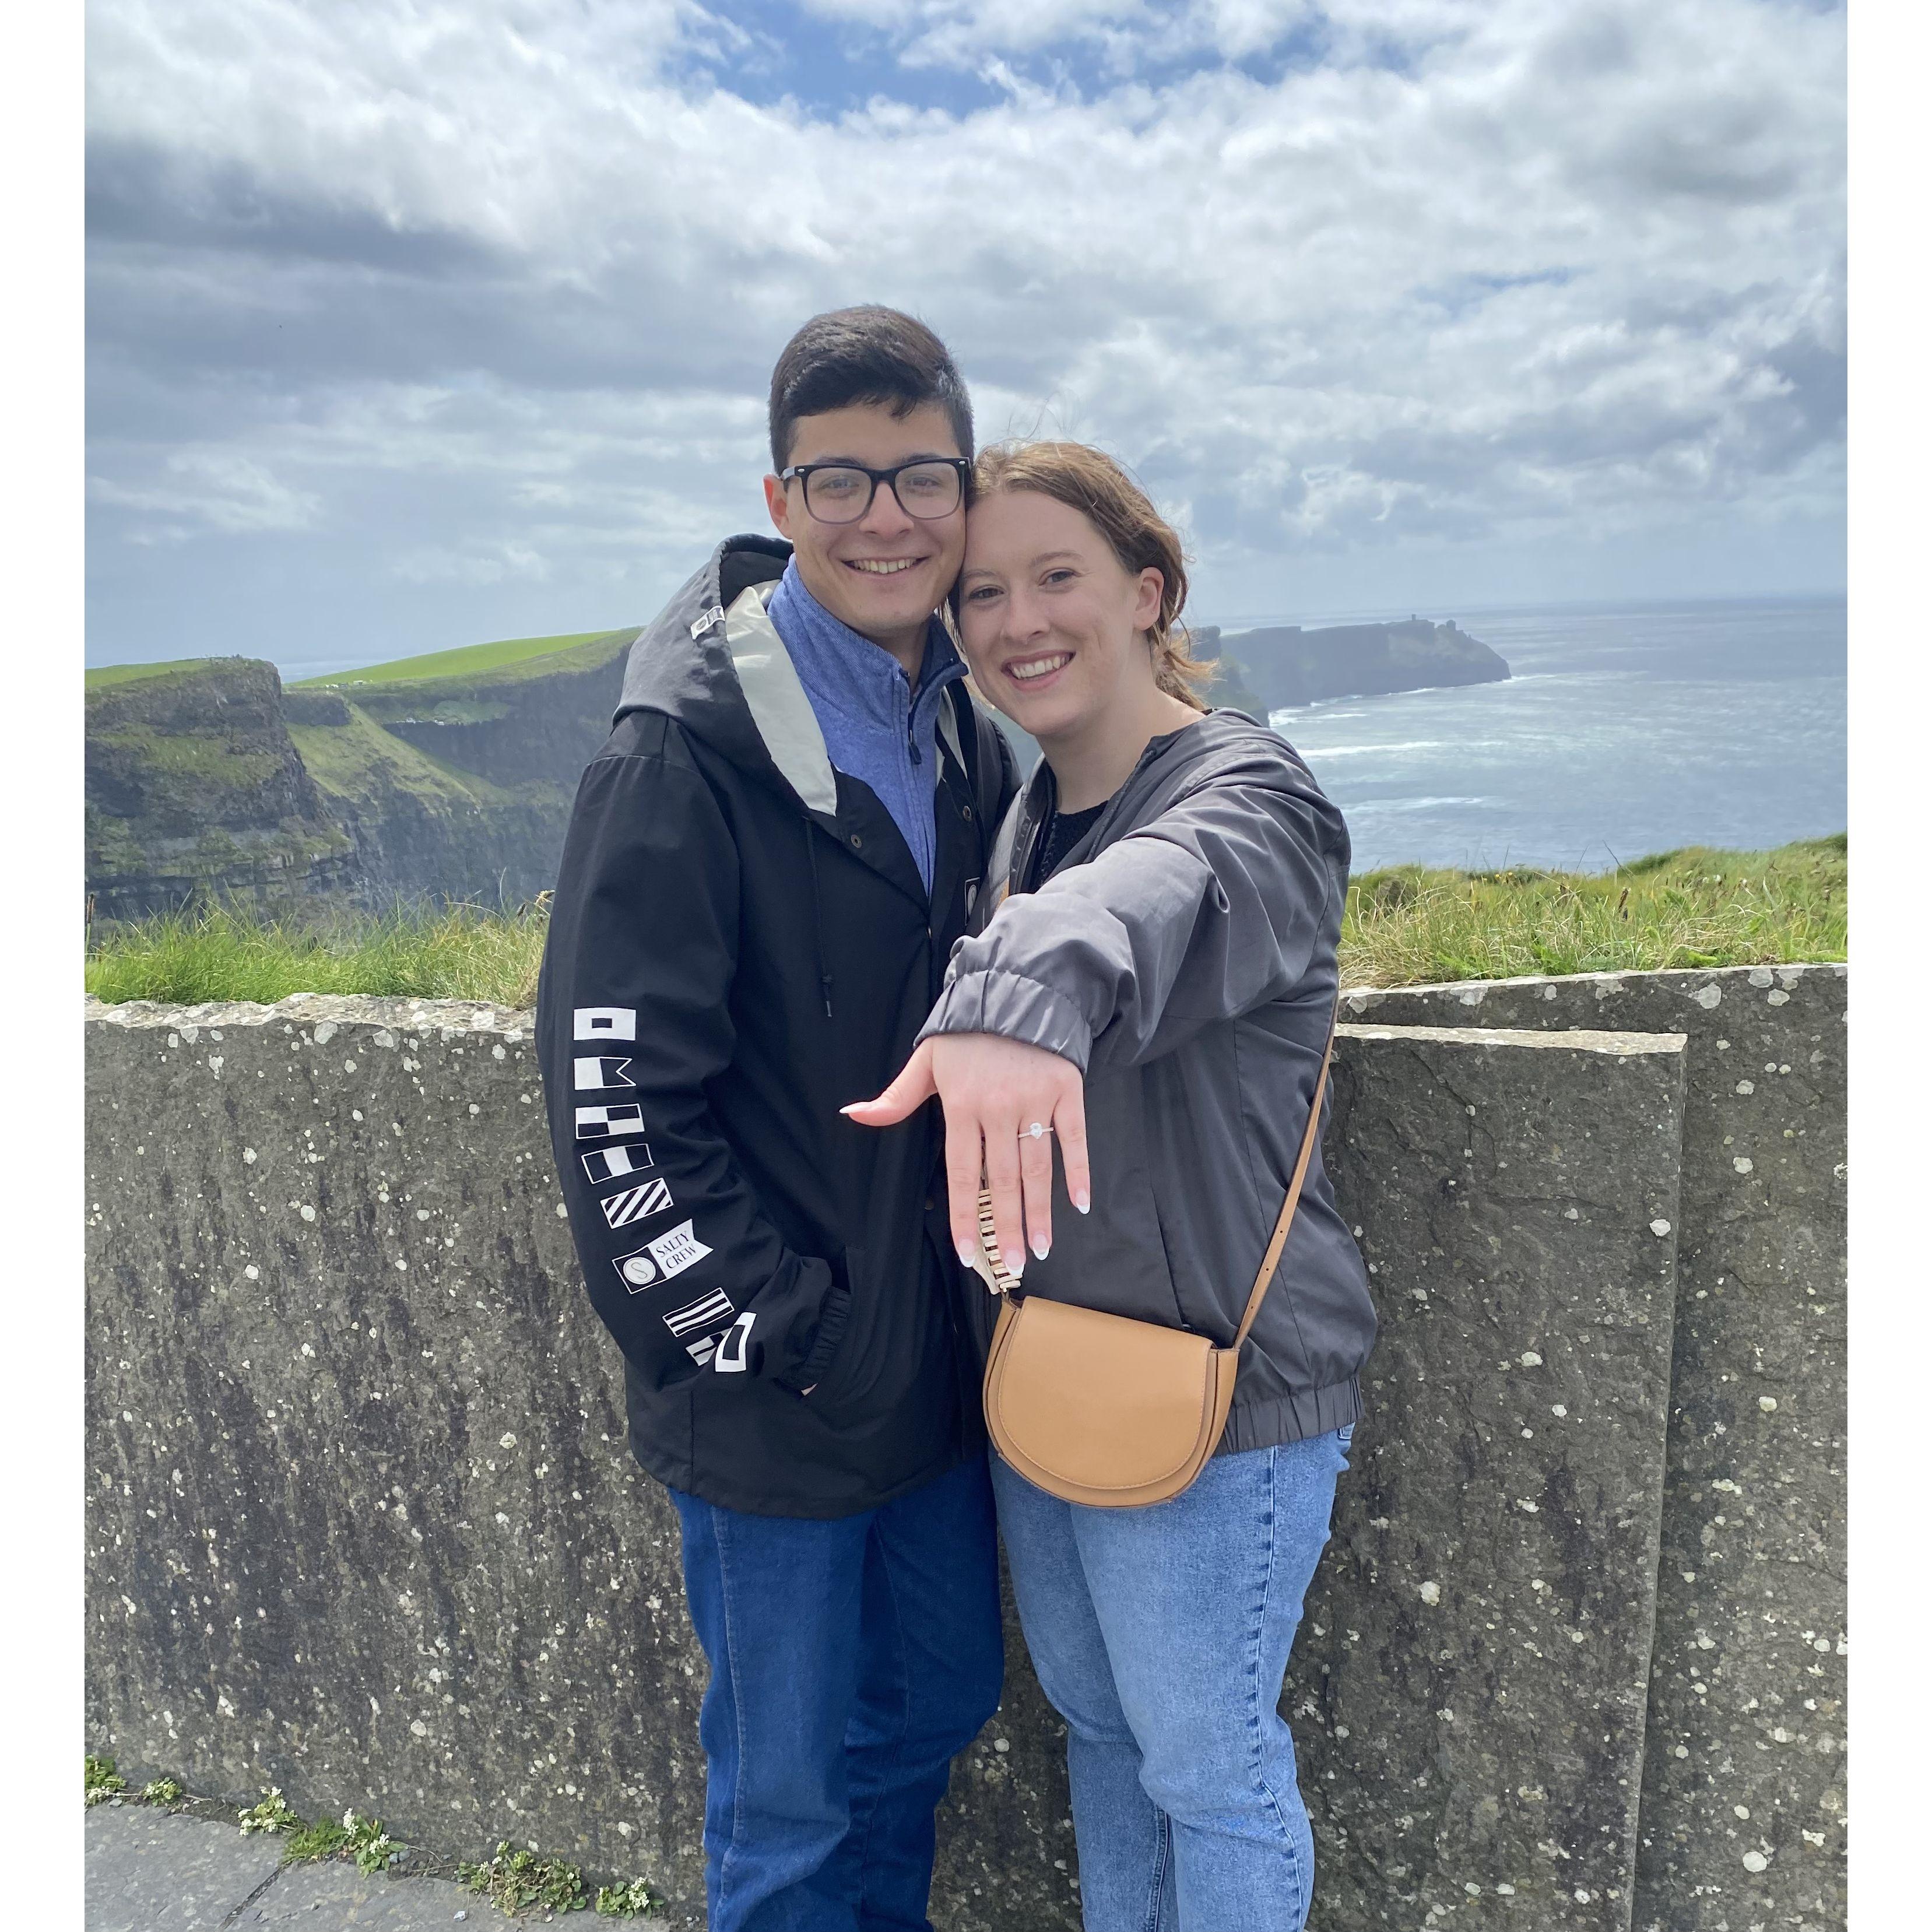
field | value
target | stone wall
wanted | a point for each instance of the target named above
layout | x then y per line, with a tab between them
1468	1692
361	1521
1744	1781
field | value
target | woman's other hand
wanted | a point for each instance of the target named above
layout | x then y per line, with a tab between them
996	1092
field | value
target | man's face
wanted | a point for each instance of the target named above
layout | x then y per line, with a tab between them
886	574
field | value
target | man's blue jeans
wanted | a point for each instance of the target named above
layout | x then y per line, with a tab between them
1162	1636
850	1660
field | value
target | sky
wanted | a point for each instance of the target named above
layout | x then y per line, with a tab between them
412	325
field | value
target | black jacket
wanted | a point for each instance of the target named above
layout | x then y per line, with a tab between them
1184	957
739	945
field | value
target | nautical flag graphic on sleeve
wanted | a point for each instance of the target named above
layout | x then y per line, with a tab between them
605	1022
607	1072
608	1123
709	1312
634	1203
677	1250
731	1345
636	1270
608	1163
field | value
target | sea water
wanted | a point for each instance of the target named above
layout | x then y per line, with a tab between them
1622	730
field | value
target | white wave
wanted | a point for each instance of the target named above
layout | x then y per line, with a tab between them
1367	806
1358	750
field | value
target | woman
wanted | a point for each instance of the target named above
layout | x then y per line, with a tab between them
1152	978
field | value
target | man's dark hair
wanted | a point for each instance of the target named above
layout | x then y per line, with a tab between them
865	355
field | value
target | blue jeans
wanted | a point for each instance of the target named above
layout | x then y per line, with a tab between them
1161	1635
850	1660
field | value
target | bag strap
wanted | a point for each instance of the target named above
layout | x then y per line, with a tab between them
1272	1259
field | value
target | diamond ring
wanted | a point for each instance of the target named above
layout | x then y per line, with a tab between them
1038	1130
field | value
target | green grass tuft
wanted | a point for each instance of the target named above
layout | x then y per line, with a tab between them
274	1813
364	1839
104	1781
322	1839
518	1881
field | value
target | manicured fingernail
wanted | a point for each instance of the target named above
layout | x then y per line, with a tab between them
1082	1203
1040	1246
966	1254
1016	1261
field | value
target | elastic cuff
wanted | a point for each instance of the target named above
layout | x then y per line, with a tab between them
832	1320
1016	1009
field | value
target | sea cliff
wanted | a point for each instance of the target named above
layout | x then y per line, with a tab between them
209	781
1285	665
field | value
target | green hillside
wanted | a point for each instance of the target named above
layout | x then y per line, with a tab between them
99	675
465	661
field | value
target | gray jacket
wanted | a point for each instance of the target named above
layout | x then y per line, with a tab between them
1184	958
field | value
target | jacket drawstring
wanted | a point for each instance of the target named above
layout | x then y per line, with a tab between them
817	918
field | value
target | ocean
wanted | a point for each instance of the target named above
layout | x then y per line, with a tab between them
1622	730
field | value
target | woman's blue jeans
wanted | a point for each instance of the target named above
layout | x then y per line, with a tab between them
1162	1636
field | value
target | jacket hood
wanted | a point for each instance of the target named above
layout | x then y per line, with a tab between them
712	660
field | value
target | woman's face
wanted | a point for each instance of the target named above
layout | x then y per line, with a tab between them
1054	627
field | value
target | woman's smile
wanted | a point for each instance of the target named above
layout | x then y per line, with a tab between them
1034	672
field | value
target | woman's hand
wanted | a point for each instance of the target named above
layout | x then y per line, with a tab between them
995	1092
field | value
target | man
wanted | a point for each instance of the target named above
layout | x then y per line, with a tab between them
766	867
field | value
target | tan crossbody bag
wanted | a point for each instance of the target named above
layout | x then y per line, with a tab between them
1105	1410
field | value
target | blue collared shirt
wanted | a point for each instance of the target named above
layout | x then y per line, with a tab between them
876	726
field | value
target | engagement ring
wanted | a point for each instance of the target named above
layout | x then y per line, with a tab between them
1037	1130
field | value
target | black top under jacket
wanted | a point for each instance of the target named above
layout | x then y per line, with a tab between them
739	945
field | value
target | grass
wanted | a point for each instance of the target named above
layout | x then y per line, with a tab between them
359	759
208	759
465	661
463	953
100	675
273	1814
364	1839
1404	926
520	1881
1695	907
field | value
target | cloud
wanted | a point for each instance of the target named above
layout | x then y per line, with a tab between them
216	489
1340	279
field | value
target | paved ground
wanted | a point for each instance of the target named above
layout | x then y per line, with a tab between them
150	1871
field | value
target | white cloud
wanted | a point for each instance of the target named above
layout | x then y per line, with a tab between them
1463	272
222	490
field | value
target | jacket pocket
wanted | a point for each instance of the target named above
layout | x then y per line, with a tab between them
846	1360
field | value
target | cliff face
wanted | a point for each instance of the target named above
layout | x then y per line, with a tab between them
530	723
1286	665
209	781
461	788
194	788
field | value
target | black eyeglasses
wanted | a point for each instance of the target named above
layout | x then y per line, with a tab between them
842	493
